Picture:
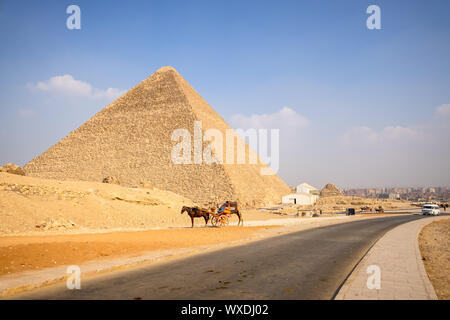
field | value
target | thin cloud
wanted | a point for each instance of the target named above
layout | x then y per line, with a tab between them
398	132
366	135
443	110
26	113
67	85
110	93
360	135
285	119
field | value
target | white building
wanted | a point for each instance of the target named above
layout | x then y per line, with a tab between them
394	195
307	188
305	195
299	198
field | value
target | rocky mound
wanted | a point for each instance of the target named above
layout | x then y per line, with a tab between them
30	205
330	190
56	224
13	169
110	179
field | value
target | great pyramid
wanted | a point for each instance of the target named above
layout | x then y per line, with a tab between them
131	139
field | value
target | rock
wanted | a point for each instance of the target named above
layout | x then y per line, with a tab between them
304	214
13	169
111	179
330	190
146	185
54	224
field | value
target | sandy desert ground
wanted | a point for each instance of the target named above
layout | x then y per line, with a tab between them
19	254
434	242
34	206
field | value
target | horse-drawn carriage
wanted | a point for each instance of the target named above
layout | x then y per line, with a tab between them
221	218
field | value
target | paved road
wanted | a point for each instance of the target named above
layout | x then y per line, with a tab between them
309	264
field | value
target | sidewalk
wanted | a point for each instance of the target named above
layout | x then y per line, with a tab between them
403	276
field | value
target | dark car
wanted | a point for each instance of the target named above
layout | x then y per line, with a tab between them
350	212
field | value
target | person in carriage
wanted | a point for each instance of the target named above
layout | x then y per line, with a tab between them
224	206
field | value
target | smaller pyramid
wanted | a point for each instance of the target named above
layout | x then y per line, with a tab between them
330	190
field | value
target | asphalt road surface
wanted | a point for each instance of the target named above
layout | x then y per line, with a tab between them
309	264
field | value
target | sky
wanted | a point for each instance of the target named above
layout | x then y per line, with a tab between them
356	107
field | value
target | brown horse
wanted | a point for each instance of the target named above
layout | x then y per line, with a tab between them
237	212
195	212
241	221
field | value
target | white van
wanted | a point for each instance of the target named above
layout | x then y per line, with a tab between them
430	209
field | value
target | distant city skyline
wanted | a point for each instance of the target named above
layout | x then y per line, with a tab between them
355	107
439	194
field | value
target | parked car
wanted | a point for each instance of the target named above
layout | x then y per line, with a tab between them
430	209
350	211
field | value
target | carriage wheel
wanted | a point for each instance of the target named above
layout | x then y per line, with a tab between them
220	221
223	221
214	221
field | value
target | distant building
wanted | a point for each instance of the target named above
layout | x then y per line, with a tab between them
305	194
307	188
394	196
415	194
299	198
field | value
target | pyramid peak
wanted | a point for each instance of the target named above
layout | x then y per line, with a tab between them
166	68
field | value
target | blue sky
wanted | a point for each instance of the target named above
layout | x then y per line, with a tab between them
372	100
